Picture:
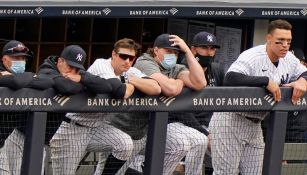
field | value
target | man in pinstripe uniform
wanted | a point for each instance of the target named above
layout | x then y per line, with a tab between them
79	133
88	131
237	141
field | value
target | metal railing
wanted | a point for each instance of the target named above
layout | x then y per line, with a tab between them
38	103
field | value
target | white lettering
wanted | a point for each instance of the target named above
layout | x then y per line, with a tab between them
227	101
279	13
8	101
125	102
302	101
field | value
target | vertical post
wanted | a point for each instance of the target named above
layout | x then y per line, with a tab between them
274	143
155	146
34	144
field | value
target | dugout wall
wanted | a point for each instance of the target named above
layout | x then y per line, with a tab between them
47	26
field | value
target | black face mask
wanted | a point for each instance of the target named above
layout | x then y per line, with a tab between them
205	61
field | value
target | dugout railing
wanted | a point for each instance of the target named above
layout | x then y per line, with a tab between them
38	103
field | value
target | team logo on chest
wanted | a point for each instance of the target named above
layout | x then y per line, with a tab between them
284	79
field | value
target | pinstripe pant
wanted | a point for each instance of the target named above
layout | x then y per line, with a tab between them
181	141
11	154
237	145
71	142
184	141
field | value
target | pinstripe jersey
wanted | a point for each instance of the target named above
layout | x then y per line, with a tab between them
256	62
103	69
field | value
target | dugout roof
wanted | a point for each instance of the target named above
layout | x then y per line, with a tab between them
156	8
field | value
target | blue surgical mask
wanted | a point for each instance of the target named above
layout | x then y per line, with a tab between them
18	67
169	61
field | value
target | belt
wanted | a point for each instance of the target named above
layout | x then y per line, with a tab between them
68	120
254	120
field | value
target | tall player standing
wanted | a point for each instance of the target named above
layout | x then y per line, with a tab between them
237	141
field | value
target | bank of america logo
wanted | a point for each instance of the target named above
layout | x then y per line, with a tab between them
61	99
39	10
173	11
304	11
239	12
106	11
167	100
270	99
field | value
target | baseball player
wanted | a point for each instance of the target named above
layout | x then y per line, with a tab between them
204	47
87	131
237	141
70	77
135	125
12	125
160	64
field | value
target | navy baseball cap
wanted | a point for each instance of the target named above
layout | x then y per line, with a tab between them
162	41
204	39
299	54
74	55
15	48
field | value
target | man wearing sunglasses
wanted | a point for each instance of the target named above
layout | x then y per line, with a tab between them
134	124
237	140
12	125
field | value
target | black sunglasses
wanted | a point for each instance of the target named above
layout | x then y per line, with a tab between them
17	49
126	56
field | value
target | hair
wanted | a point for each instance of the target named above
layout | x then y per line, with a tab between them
279	24
150	51
127	44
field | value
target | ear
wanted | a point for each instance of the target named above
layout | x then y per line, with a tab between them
113	54
193	50
60	60
269	38
155	49
4	58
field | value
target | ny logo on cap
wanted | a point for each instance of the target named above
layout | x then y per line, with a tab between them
210	38
79	57
20	45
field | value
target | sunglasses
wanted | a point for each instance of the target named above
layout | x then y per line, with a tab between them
124	56
17	49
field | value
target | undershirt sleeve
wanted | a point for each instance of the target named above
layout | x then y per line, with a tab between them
239	79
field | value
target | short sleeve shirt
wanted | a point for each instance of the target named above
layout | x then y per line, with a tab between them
149	66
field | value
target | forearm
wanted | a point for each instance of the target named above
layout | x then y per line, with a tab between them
147	86
239	79
41	83
196	76
66	86
96	84
172	87
129	89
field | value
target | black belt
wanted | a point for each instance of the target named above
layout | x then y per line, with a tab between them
254	120
68	120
